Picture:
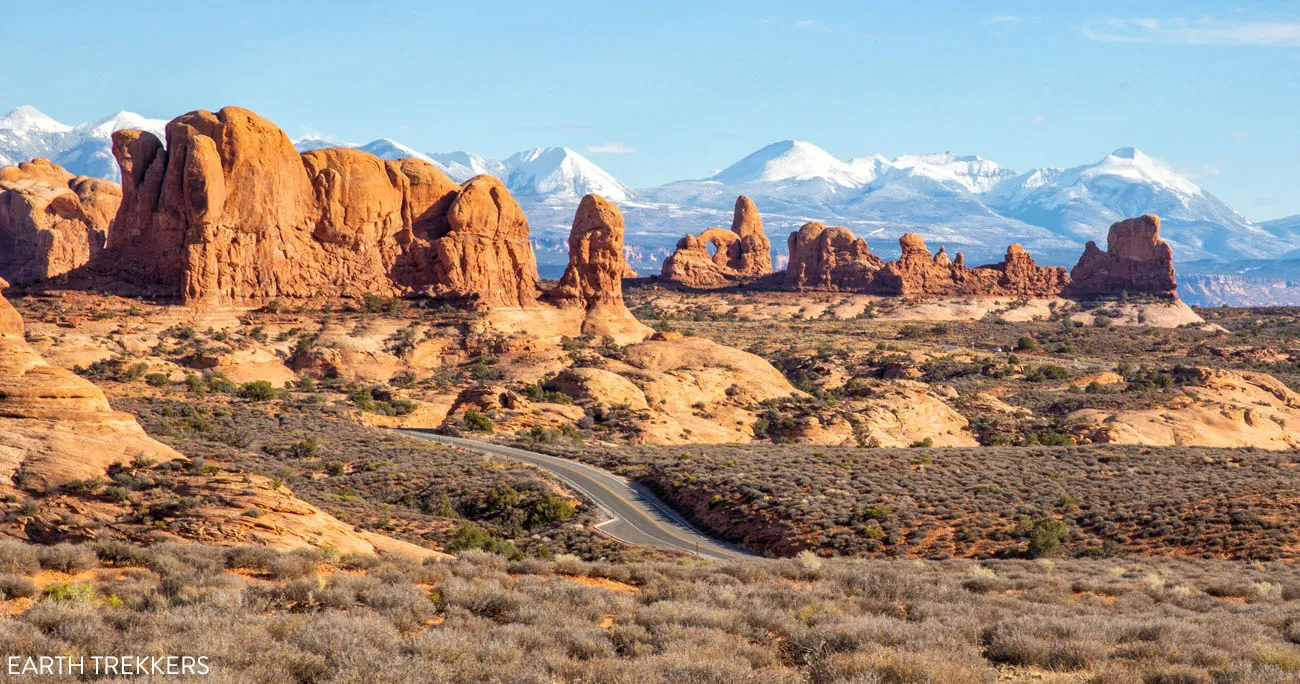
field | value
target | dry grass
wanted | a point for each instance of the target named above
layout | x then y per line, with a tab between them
483	619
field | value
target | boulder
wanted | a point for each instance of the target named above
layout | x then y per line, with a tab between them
51	222
1136	262
598	386
739	254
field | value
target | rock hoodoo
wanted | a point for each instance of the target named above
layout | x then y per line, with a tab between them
1136	261
51	222
230	212
484	255
740	254
593	279
829	258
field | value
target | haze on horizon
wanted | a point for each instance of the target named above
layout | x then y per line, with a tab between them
675	91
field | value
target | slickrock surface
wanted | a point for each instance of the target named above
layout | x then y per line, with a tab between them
1226	409
58	433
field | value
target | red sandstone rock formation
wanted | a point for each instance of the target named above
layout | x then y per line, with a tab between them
593	279
823	258
917	273
740	254
229	212
485	255
1136	261
51	222
829	258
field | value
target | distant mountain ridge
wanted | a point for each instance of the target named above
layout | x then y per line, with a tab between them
84	149
966	202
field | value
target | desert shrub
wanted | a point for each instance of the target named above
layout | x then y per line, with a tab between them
18	558
17	586
258	390
470	536
478	422
1046	536
68	558
157	380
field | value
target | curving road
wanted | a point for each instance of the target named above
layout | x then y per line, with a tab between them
635	515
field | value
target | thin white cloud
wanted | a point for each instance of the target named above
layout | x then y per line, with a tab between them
611	148
1038	119
1240	136
1205	31
806	24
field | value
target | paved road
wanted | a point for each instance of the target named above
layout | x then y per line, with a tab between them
635	515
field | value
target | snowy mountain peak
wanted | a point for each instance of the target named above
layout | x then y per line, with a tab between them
794	160
559	171
104	128
969	172
462	166
28	119
1131	165
387	148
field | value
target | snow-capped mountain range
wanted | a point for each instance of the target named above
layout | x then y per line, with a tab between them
85	149
966	202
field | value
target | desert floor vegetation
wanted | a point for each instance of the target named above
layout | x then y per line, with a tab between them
313	616
978	502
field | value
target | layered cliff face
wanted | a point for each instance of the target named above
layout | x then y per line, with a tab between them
740	254
1136	261
829	258
230	212
51	222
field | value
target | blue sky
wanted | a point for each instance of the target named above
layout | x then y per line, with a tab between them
661	91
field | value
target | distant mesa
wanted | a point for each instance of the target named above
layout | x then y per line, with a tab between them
739	255
824	258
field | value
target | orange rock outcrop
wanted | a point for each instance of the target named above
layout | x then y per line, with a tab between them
740	254
829	258
1136	261
51	222
230	212
593	279
58	432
